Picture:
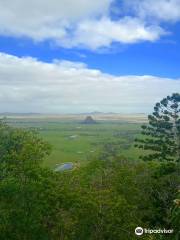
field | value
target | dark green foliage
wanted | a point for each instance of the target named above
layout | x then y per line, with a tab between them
165	182
161	137
33	202
175	216
104	200
118	195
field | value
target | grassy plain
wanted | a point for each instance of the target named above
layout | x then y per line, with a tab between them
75	142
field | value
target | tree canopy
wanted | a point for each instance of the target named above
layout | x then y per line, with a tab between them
161	136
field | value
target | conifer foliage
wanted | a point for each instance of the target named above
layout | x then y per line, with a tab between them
161	136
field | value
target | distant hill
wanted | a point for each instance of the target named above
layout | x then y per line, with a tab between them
89	120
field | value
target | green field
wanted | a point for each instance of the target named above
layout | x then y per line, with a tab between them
75	142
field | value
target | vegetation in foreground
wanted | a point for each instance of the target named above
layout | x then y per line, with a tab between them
106	199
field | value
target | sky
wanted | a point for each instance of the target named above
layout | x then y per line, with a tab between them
67	56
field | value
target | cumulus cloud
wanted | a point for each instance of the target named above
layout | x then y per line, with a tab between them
161	10
101	33
29	85
80	23
41	19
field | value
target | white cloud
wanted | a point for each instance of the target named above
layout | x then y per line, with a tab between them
161	10
41	19
101	33
29	85
80	23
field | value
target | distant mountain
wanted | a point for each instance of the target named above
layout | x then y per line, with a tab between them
95	112
89	120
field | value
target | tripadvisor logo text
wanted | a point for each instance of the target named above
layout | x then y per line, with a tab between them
140	231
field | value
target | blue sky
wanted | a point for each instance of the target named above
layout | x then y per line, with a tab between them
71	57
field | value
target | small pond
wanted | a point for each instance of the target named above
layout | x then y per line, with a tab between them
64	166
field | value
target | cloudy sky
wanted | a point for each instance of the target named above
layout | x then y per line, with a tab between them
73	56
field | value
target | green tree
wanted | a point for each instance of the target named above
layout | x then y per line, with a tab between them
175	216
33	203
161	137
114	199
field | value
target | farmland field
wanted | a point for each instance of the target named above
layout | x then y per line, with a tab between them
75	142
